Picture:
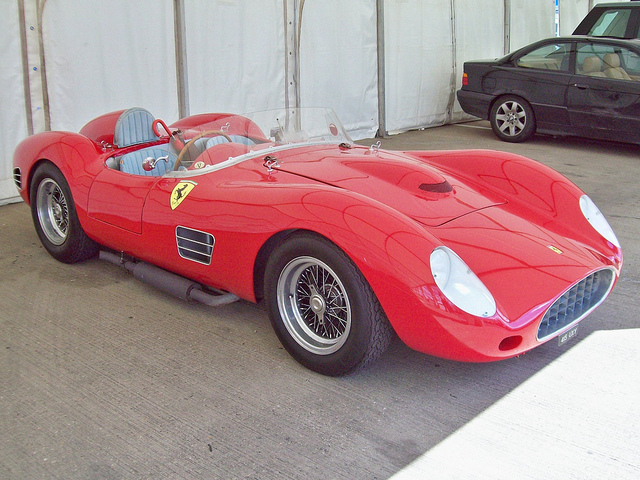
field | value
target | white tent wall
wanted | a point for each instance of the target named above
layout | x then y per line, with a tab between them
232	68
530	21
13	117
338	61
418	62
80	58
108	56
479	33
426	44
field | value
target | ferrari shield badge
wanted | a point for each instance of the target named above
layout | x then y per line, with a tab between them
180	192
554	249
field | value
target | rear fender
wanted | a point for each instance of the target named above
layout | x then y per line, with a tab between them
74	155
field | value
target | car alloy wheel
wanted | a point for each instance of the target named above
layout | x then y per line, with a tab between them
512	119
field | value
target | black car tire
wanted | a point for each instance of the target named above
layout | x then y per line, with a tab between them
321	307
512	119
55	218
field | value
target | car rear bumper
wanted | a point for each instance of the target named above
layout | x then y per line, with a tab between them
475	103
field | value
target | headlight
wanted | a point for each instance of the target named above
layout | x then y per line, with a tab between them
459	284
596	219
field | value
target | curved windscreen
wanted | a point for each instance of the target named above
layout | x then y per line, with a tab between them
228	139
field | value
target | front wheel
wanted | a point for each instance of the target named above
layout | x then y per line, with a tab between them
321	307
512	119
55	218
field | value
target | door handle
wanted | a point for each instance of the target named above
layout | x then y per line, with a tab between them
581	86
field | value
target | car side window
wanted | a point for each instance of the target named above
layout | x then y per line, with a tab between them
612	23
548	57
607	61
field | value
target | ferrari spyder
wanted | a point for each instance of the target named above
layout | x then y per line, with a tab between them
467	255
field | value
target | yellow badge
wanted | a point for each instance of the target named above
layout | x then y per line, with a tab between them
180	192
554	249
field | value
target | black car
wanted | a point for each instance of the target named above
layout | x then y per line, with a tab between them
577	85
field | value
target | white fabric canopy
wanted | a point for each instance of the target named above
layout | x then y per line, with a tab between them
13	121
235	55
194	56
338	62
105	56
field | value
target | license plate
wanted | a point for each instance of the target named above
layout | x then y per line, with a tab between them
568	335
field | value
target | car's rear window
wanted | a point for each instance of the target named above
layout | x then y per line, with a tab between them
547	57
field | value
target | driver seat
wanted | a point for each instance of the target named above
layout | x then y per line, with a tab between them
135	127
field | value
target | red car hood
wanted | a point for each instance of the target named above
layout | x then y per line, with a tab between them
400	181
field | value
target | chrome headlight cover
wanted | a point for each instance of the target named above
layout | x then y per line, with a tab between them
459	284
597	220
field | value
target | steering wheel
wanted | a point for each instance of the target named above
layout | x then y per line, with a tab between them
190	143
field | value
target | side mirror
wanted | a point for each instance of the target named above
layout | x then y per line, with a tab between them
150	163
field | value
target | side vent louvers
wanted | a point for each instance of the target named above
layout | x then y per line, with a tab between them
195	245
17	178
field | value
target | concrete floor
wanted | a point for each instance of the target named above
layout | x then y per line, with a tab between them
103	377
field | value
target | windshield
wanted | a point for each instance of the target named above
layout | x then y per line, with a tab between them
296	125
229	139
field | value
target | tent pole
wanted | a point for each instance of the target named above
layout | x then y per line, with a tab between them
507	26
382	127
182	82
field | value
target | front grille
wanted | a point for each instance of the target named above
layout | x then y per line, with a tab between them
17	178
576	303
195	245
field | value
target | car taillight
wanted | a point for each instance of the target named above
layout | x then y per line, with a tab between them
465	79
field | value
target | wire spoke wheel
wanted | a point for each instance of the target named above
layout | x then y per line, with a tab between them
55	216
314	305
53	211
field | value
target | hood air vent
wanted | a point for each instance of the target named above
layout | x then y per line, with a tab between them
443	187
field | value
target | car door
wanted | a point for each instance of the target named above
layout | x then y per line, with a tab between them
542	76
117	198
605	102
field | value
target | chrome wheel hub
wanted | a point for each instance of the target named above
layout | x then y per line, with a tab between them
511	118
314	305
53	211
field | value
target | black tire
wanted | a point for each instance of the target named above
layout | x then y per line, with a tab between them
512	119
55	218
322	308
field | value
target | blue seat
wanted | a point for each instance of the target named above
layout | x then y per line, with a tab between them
132	162
134	126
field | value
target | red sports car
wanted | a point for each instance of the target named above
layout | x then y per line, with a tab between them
466	255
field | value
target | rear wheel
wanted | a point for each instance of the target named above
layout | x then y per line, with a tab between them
55	218
321	307
512	119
